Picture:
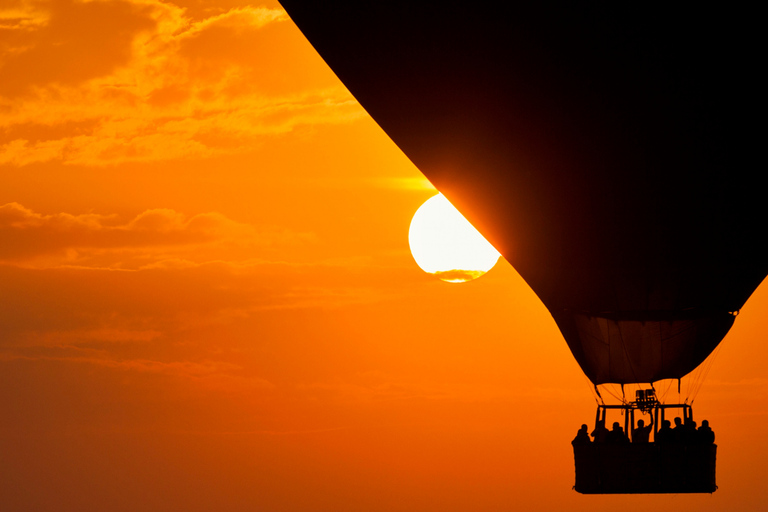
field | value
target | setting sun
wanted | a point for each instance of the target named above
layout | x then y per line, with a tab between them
444	243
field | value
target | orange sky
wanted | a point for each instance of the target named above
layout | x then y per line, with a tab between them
208	302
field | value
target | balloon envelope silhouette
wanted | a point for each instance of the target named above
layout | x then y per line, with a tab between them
608	151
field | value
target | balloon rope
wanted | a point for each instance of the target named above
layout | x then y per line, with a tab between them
593	389
708	364
612	391
666	391
597	394
694	380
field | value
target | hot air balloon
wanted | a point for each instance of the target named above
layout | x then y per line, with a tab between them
608	151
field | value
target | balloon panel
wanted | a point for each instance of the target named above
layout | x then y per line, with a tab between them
620	350
607	151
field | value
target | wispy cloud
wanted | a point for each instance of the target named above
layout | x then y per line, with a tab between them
96	308
212	374
152	237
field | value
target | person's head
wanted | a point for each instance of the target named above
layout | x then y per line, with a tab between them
616	425
704	424
584	428
665	424
640	423
678	422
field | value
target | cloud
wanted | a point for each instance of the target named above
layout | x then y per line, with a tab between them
79	41
377	386
217	374
234	327
154	236
96	307
22	15
243	18
98	83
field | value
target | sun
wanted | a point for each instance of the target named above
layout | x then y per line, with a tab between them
445	244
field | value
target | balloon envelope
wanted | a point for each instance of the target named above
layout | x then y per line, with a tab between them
608	151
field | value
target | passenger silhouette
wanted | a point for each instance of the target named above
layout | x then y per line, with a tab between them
582	436
677	433
689	434
705	434
616	435
600	434
642	433
665	433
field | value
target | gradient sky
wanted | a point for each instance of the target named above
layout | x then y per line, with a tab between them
207	301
